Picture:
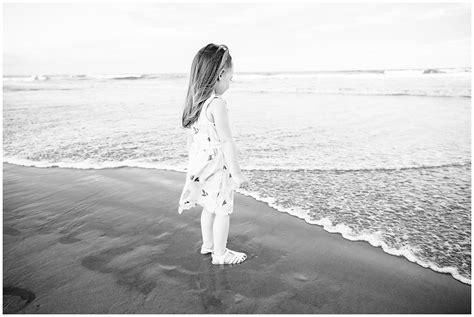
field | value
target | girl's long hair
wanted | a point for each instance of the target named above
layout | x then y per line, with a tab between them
205	69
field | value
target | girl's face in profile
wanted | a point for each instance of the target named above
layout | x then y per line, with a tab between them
224	82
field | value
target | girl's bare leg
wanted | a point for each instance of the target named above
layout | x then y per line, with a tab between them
207	222
221	232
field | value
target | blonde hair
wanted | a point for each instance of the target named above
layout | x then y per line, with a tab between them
205	69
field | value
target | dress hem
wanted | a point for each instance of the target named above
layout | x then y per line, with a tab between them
194	204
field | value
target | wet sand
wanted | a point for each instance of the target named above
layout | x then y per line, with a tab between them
111	241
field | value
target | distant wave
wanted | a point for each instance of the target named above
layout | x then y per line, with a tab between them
133	76
255	75
117	77
437	82
460	93
421	95
75	77
33	89
23	78
92	165
375	72
158	165
432	71
350	91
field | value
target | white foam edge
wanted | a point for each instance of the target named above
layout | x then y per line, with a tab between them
93	165
347	233
158	165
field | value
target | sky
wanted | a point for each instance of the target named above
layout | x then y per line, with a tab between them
89	38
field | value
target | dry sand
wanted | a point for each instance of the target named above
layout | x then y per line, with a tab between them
111	241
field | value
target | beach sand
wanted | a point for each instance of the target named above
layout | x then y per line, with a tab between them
111	241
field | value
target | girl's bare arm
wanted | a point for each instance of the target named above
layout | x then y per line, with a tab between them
218	109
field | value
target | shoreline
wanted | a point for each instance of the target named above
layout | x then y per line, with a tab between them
325	223
145	165
131	245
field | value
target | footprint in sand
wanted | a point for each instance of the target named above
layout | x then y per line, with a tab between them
15	299
69	239
129	277
11	231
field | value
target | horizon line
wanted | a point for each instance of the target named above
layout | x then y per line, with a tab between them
241	72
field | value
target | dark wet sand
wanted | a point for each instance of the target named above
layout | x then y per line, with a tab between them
111	241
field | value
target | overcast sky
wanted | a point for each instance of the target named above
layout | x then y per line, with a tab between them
158	38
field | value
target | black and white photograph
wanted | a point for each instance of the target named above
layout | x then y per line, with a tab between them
241	157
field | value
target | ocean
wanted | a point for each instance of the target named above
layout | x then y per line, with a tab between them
382	156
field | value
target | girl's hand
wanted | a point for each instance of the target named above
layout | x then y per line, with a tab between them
240	180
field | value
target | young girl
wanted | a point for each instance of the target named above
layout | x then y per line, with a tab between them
213	171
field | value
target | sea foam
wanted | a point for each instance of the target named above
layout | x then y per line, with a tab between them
347	233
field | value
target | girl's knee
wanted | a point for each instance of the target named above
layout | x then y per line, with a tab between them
223	216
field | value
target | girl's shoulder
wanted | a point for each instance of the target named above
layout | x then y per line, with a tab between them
214	96
217	100
215	105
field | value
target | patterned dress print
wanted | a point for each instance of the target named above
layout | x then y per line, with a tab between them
208	180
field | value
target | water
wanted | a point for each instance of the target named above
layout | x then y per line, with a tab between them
380	156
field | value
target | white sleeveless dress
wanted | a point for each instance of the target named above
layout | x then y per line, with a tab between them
209	182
